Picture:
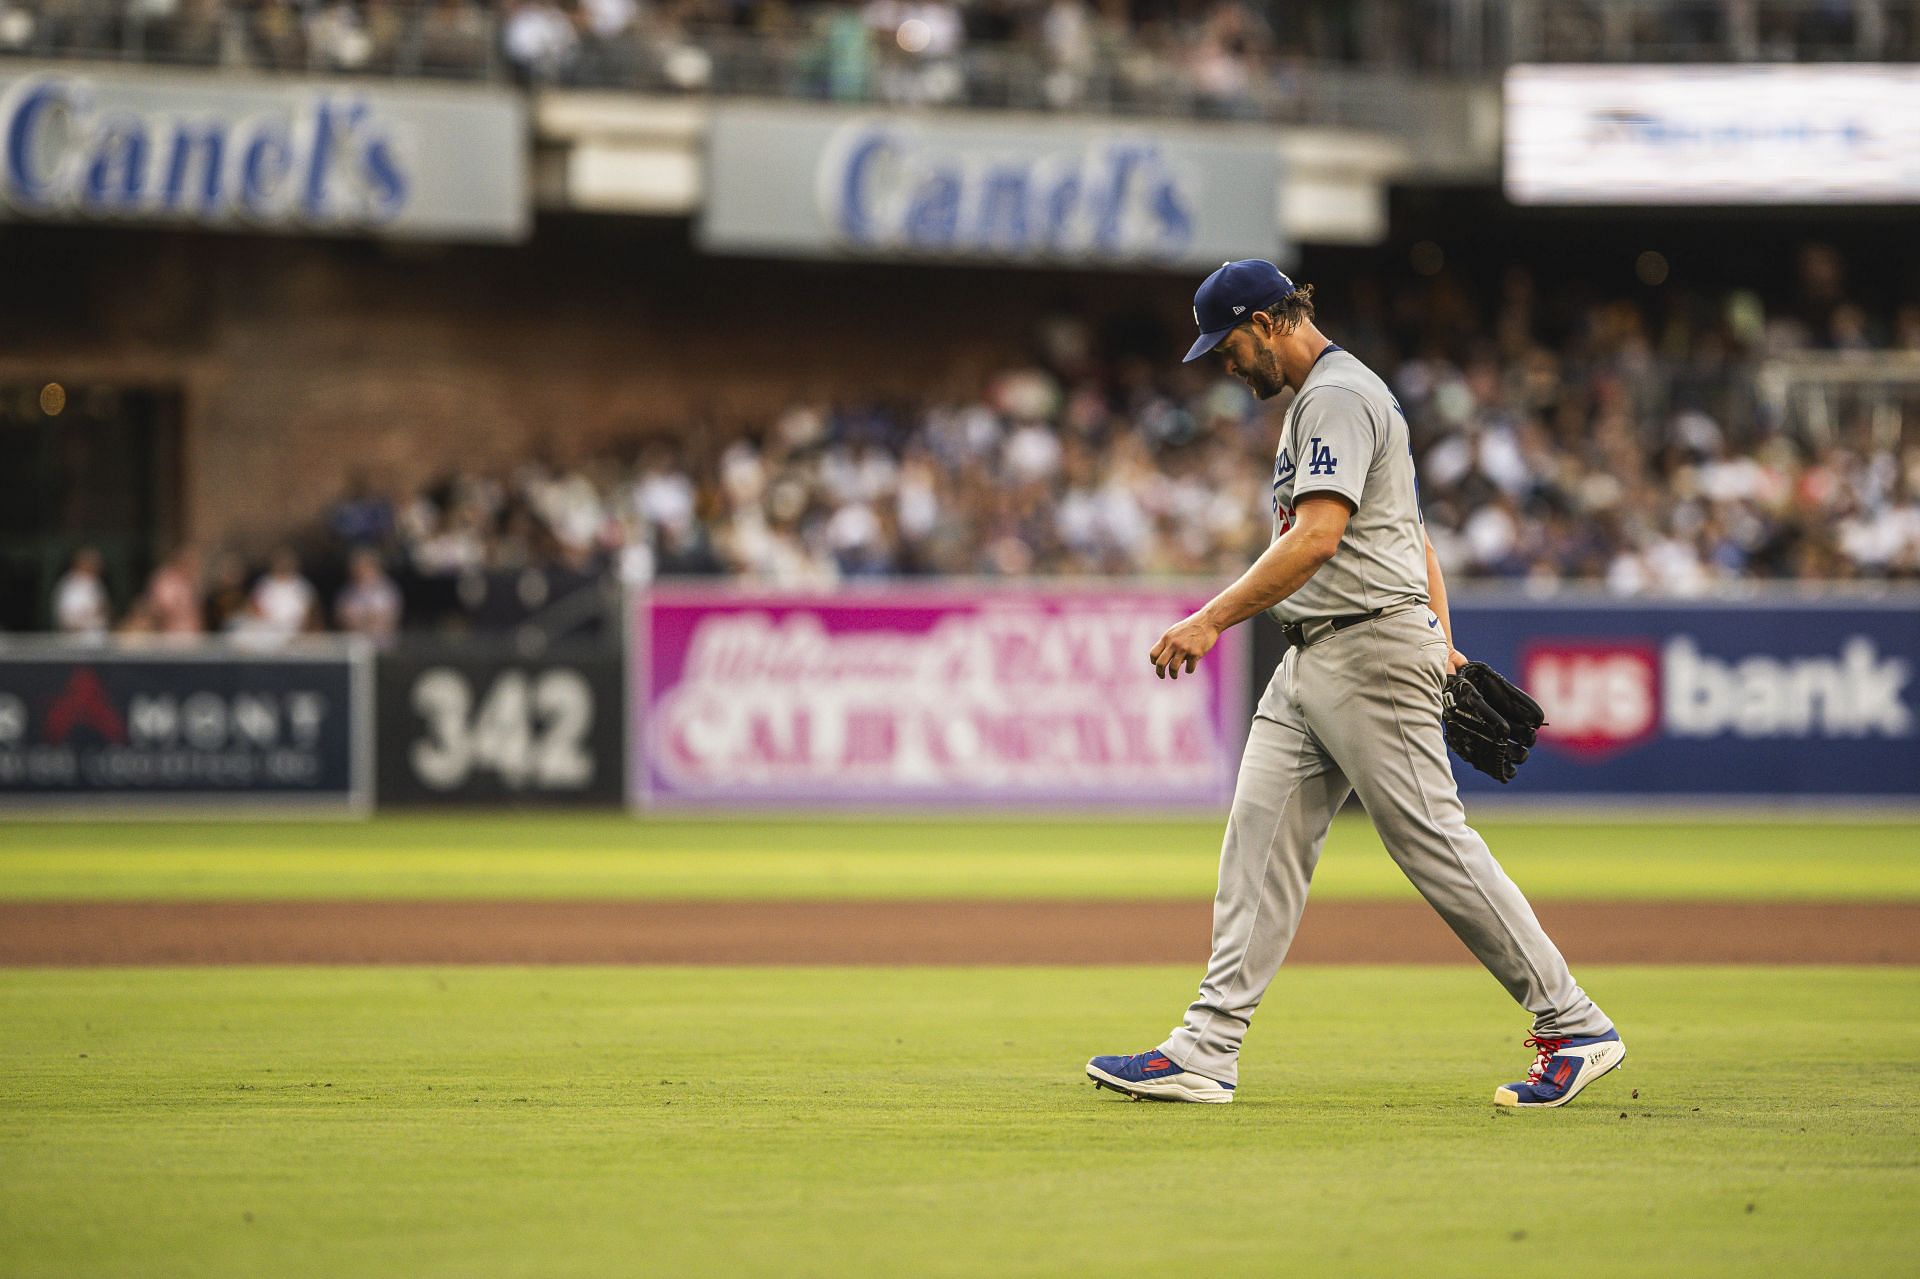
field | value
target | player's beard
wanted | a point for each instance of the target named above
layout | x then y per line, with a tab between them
1264	379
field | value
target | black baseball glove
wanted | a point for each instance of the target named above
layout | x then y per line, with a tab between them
1489	720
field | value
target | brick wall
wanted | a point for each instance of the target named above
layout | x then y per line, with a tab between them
303	361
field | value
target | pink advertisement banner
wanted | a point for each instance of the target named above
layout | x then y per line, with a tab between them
935	697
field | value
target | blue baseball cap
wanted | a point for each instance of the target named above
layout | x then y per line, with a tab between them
1228	296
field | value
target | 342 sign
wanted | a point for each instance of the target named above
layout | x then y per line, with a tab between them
527	729
456	726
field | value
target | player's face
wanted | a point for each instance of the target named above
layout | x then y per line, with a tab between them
1250	359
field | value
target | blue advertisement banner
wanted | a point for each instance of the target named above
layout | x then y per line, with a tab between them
1767	700
86	725
1779	700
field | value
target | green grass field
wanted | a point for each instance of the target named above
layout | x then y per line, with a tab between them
477	1122
482	1122
518	857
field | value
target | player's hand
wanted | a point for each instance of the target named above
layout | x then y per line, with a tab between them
1184	643
1455	660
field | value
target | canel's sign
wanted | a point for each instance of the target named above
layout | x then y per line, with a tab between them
328	159
1004	189
894	187
261	155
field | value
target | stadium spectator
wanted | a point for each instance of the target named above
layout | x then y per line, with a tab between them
363	517
840	61
1067	32
369	604
607	52
283	604
81	608
172	605
229	595
276	35
338	35
454	34
540	40
18	25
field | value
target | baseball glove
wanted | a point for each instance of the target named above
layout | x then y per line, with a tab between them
1489	720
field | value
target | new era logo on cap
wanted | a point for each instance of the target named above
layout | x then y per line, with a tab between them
1226	296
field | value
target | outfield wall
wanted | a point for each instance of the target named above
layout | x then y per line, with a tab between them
942	696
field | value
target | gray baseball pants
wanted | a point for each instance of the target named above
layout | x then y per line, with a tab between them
1358	710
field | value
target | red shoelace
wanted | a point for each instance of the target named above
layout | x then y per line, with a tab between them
1547	1048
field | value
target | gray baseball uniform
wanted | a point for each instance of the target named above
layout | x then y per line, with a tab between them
1357	711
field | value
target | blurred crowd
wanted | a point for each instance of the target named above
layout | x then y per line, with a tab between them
1211	56
1719	31
1231	54
1647	453
267	605
1560	439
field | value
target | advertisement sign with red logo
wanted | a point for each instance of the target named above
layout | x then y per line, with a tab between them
942	697
94	724
1700	700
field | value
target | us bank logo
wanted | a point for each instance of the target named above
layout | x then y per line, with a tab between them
1603	698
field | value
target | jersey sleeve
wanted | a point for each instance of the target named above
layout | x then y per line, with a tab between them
1334	438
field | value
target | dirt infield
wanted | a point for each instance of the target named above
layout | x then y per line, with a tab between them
953	932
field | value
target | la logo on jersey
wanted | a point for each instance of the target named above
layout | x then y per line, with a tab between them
1320	458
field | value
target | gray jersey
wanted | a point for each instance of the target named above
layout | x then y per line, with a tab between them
1345	434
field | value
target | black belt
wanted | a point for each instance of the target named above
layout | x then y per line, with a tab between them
1295	633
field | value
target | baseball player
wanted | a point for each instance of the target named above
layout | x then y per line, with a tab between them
1355	706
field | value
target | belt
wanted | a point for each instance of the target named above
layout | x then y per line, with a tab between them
1295	633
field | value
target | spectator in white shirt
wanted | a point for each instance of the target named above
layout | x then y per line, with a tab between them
540	40
80	605
284	603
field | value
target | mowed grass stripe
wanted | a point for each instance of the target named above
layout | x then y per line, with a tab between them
484	1122
575	856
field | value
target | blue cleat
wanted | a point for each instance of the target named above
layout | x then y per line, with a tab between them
1153	1076
1562	1069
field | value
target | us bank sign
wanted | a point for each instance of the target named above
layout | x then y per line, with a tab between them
1002	188
263	155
